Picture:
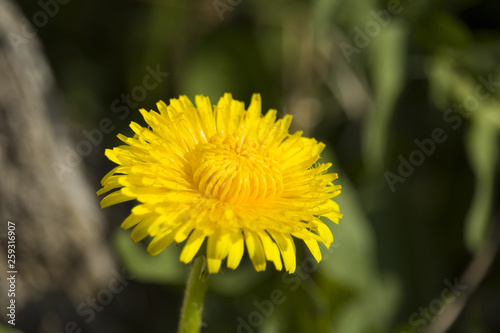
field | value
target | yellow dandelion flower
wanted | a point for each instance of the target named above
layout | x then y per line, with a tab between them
226	175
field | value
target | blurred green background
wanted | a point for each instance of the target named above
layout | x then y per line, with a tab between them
366	77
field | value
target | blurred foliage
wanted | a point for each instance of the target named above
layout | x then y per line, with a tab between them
368	78
163	268
7	329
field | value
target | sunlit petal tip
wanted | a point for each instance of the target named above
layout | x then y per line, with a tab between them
162	107
320	147
314	248
112	154
255	251
101	191
213	265
155	250
236	249
131	221
256	101
192	246
141	210
114	198
182	232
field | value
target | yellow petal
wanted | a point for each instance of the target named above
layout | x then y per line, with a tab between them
217	249
236	249
183	232
325	233
115	198
131	221
192	246
271	249
142	229
159	243
141	210
255	250
287	248
313	246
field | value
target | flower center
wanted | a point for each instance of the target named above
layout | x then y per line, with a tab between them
237	172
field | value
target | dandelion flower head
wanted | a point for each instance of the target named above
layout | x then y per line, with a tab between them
226	176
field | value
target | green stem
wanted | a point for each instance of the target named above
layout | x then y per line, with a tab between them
192	307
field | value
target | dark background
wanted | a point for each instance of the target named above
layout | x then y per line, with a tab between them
366	81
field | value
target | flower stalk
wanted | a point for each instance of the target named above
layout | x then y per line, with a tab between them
192	307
